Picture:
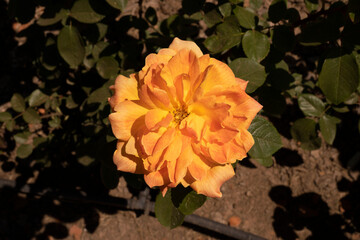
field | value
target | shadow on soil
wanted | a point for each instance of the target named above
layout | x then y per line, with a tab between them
307	211
22	215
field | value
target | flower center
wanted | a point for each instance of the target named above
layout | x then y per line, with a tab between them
179	114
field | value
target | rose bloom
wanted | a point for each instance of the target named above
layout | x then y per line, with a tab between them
182	119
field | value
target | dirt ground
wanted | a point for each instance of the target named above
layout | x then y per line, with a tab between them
297	198
300	197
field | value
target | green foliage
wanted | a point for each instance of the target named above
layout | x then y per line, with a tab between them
24	150
165	211
267	139
118	4
304	132
107	67
83	12
249	70
37	98
256	45
171	209
5	116
339	78
228	34
266	161
71	46
246	18
310	105
18	103
328	127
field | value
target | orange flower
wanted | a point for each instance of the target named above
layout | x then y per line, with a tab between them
182	119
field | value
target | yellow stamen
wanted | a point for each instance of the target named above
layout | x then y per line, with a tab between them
179	114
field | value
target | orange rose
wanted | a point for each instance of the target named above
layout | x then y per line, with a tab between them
182	119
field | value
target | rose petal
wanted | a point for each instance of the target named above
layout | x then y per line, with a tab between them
158	178
193	126
125	89
218	76
122	120
211	183
125	158
156	118
179	44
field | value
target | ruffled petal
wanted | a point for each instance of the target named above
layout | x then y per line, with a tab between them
156	118
184	62
193	126
122	120
179	44
248	109
211	183
199	166
219	76
158	178
126	159
125	89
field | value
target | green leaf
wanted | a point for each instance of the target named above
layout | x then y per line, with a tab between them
277	10
100	95
31	116
228	35
186	200
328	127
343	109
256	45
339	78
17	102
5	116
85	160
107	67
311	5
212	17
37	98
304	132
266	161
118	4
246	18
256	4
225	9
39	140
357	59
267	139
353	99
22	137
311	105
44	21
55	122
83	12
10	125
249	70
165	211
99	48
70	103
70	46
24	150
109	176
